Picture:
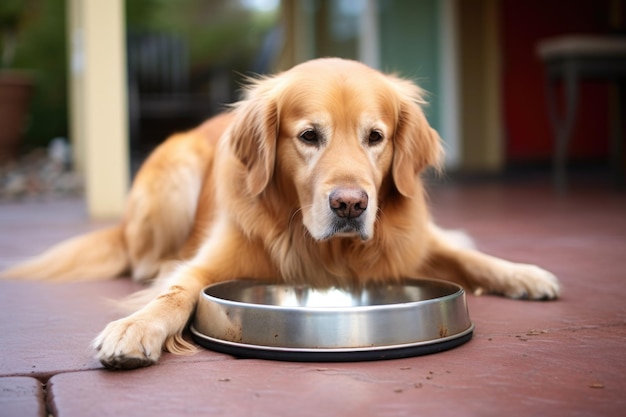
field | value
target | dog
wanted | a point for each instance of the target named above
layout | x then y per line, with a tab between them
314	178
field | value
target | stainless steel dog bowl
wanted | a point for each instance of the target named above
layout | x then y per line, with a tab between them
249	318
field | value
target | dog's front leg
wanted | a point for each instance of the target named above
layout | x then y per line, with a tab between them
137	340
484	273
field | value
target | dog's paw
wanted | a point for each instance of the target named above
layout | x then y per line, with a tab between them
129	343
530	282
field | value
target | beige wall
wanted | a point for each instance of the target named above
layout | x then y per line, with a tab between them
481	115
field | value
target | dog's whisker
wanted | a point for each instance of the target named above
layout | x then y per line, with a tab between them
304	231
293	215
291	219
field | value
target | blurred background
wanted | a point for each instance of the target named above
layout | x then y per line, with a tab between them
183	60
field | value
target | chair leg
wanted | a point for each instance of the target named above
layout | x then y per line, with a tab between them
562	126
616	96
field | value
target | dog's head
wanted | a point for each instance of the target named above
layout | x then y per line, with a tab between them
338	132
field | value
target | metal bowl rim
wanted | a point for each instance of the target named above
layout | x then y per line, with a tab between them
272	307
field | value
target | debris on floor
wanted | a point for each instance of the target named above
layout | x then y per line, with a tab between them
41	173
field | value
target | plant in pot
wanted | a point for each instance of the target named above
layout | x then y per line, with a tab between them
16	86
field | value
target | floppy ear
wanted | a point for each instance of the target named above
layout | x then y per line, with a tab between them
254	133
416	144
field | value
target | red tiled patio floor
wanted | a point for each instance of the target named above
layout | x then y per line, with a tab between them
566	357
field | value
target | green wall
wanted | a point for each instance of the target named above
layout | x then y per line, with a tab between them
409	46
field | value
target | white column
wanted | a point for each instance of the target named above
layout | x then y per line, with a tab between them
369	34
450	94
99	117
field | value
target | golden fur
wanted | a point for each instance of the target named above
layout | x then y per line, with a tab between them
314	177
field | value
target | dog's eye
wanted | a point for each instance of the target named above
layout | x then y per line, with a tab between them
374	137
309	136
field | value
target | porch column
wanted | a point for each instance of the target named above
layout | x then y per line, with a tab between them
98	108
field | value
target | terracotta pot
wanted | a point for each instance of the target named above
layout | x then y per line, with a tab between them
16	89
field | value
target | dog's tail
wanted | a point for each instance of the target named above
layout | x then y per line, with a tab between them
94	256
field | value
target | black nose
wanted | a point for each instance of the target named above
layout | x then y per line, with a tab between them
348	202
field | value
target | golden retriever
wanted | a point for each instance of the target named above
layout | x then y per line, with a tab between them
314	177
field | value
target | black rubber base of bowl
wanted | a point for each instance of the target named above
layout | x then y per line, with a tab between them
244	351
